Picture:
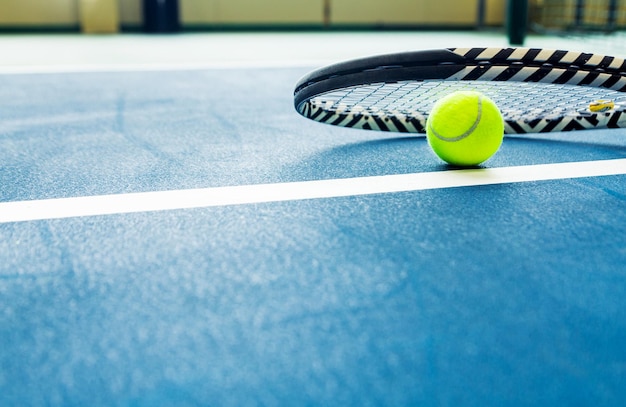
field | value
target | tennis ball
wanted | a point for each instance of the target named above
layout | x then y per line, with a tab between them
465	128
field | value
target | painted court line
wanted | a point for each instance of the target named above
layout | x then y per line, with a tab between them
249	194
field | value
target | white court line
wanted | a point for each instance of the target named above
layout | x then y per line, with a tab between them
293	191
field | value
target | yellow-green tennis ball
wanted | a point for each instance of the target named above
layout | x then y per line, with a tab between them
465	128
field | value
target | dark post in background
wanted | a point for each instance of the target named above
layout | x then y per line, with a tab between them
161	16
516	21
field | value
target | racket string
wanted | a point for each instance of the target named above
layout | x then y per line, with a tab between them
518	101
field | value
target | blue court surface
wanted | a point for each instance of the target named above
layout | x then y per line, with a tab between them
179	235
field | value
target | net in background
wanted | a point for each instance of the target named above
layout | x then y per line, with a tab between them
578	15
599	25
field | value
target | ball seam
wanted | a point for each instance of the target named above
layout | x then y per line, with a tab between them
468	132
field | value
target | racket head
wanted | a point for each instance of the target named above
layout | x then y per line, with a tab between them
537	90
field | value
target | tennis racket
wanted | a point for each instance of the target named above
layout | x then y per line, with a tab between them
537	90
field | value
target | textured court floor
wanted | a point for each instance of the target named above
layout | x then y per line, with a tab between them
497	293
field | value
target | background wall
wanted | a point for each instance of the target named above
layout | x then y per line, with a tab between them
252	12
405	12
39	12
50	14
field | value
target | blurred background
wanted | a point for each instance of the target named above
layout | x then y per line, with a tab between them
517	18
105	16
169	15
